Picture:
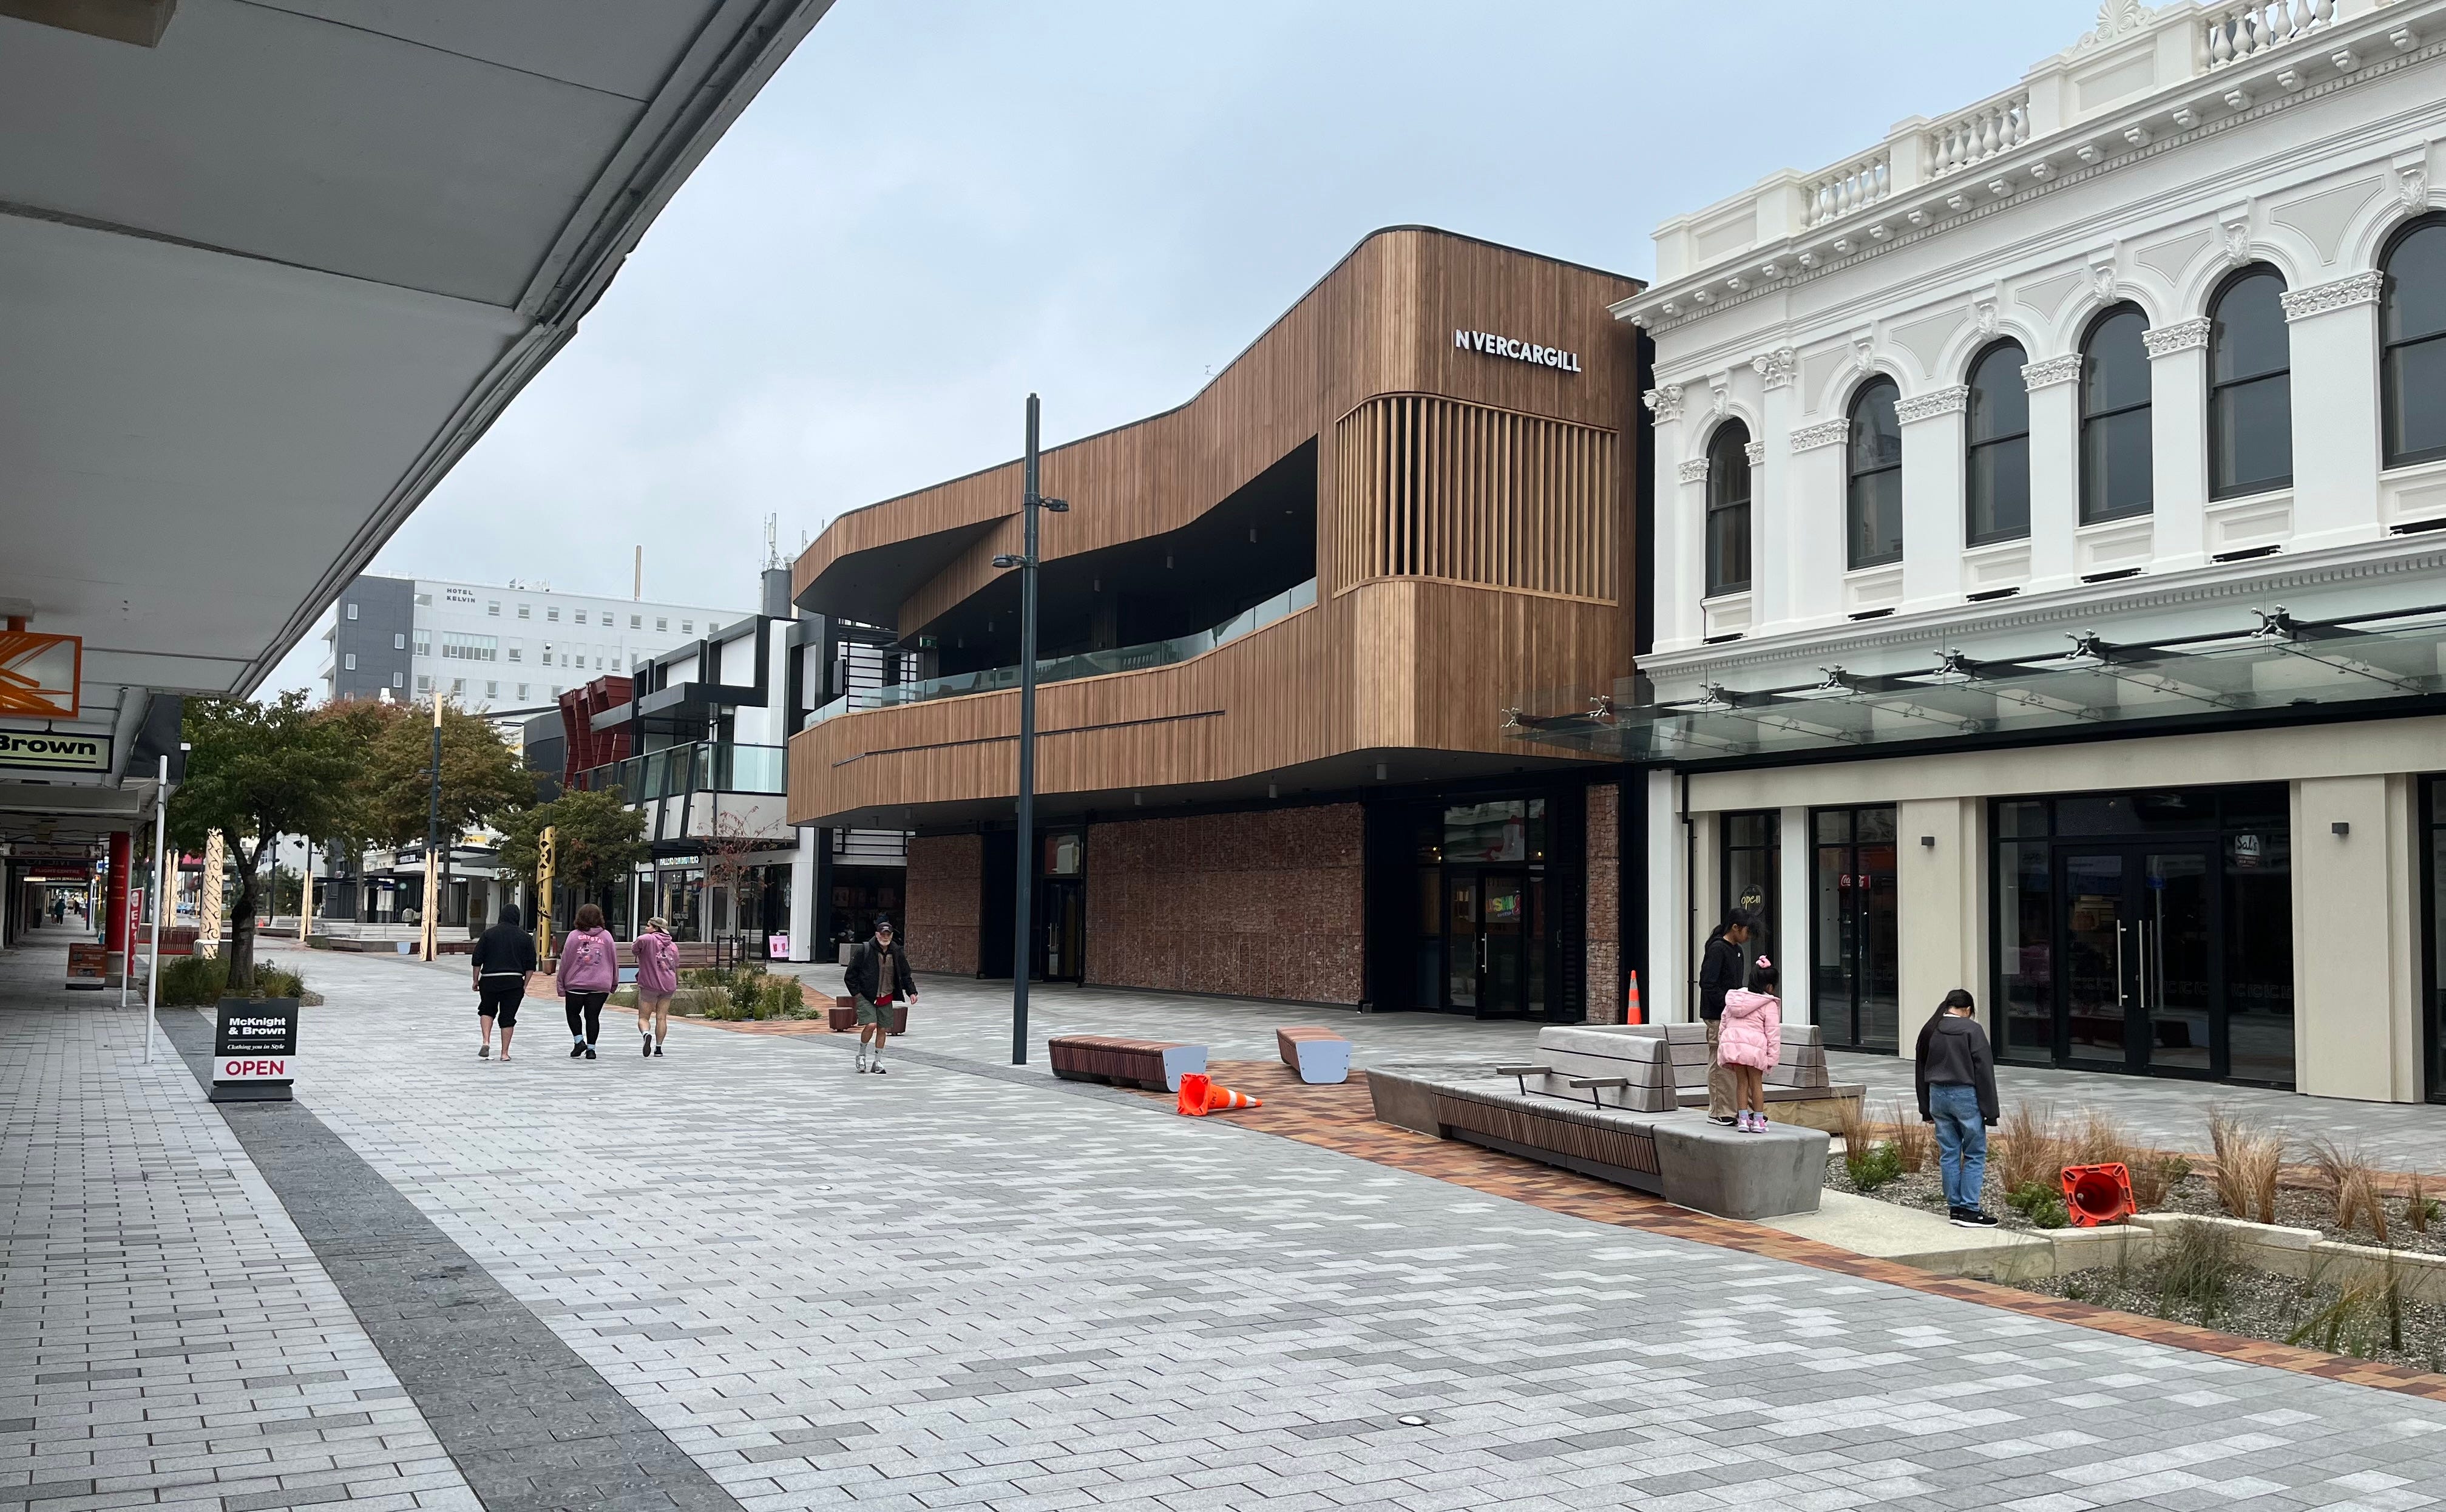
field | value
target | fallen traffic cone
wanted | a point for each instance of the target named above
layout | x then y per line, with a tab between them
1222	1099
2098	1193
1193	1094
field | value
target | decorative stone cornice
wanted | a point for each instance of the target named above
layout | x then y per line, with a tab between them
1756	452
1695	470
1827	434
1929	405
1776	368
1663	401
2053	370
2361	289
2183	335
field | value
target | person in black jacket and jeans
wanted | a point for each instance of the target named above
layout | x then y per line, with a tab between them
505	955
1721	969
1956	1072
879	972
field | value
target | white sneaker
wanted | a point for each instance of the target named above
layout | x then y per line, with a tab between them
861	1065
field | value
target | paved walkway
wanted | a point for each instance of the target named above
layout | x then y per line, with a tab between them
941	1288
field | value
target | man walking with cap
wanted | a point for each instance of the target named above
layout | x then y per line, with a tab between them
877	977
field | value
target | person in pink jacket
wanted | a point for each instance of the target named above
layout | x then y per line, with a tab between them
590	967
1751	1041
658	977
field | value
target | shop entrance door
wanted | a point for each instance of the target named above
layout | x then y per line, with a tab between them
2144	947
1856	980
1061	943
1490	936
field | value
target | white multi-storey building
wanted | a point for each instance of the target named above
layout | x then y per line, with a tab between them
488	647
2048	598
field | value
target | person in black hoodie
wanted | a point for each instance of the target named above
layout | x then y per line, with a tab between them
505	955
878	974
1956	1072
1721	969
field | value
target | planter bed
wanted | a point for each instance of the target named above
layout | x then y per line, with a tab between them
2263	1304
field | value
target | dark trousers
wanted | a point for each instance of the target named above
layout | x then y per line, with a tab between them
586	1015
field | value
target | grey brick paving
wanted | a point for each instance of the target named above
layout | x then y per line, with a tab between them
167	1337
942	1289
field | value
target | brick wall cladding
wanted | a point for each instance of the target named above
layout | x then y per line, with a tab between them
1605	904
945	872
1254	904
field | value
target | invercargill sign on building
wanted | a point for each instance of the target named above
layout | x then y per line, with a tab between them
1518	350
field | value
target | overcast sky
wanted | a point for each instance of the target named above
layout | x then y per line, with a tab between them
936	206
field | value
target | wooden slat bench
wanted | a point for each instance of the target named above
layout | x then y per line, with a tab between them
1156	1064
1798	1082
1678	1156
1321	1056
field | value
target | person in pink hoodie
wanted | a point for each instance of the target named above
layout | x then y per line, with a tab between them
1751	1041
590	967
658	977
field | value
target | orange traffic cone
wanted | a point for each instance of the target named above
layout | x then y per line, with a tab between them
1194	1095
1632	1012
1222	1099
2098	1193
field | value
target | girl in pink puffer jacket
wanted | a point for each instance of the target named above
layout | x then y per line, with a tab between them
1751	1041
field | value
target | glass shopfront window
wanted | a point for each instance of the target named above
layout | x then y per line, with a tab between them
2148	932
1752	853
1855	971
1483	916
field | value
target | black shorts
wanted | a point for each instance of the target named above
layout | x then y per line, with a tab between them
500	1003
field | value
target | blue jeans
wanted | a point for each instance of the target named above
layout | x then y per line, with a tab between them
1960	1142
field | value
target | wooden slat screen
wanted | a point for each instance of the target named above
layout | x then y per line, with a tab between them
1464	493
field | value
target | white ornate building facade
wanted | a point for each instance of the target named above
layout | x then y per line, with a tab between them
2047	594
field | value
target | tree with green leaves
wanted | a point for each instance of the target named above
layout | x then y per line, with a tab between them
597	840
484	780
254	771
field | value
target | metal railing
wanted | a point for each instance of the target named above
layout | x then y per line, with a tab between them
1084	664
705	766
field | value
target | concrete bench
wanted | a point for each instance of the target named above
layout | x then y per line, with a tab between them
1156	1064
1798	1088
1321	1056
1678	1156
1589	1064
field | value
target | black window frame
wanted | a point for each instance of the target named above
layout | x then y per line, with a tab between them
2089	336
1973	445
1728	458
2390	454
2219	486
1855	475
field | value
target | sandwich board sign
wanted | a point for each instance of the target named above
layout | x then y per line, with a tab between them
254	1049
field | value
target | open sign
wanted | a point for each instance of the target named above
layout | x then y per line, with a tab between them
254	1049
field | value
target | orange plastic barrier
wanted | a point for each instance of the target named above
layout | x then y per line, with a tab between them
1195	1089
1222	1099
2098	1193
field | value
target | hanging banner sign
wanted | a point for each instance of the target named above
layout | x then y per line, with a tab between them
254	1048
40	674
42	750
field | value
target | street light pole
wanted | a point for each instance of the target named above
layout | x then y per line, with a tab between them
1023	956
431	936
161	896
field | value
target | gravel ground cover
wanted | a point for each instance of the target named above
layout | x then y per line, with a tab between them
2280	1309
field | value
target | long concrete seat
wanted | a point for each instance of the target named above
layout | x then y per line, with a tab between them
1678	1156
1156	1064
1320	1056
1589	1064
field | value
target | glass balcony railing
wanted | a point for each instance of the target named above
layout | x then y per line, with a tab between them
1084	664
707	766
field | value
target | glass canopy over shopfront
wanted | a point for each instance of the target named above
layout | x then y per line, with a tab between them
2278	664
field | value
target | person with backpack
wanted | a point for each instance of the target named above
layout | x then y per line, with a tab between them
590	969
1956	1072
505	955
879	976
1720	971
658	978
1750	1041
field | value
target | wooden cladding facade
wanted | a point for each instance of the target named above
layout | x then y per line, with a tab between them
1472	536
1466	493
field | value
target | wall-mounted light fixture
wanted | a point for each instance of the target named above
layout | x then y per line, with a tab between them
1928	840
2341	827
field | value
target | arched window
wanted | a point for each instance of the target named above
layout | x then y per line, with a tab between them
1874	502
2250	387
1998	460
2115	417
1728	509
2412	333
